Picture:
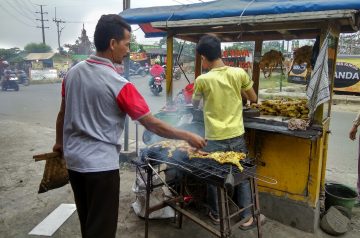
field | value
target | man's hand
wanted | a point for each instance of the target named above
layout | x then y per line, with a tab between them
58	148
160	128
352	134
196	141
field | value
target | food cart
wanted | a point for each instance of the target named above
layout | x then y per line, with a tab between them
296	159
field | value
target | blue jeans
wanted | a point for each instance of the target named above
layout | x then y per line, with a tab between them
242	191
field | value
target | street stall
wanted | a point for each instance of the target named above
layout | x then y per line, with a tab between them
295	157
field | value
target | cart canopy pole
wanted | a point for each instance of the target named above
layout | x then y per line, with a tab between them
169	69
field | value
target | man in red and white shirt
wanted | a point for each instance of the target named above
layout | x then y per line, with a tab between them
95	101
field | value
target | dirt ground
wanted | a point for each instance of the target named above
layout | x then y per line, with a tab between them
22	208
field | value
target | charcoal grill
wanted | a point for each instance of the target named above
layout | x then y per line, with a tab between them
207	170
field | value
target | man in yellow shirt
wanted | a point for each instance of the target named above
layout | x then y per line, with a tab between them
222	89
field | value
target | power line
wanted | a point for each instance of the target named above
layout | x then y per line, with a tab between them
28	7
178	2
15	17
32	4
19	10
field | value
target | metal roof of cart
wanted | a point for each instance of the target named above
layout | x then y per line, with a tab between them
275	19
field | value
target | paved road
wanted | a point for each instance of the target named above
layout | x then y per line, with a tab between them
38	104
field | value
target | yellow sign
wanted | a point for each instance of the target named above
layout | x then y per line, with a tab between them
138	56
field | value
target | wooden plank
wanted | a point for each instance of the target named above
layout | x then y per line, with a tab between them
256	68
46	156
169	68
54	220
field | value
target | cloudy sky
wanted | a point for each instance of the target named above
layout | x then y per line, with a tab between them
18	24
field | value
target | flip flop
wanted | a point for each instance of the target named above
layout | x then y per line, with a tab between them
254	223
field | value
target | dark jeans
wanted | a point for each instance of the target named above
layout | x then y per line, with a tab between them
97	202
242	191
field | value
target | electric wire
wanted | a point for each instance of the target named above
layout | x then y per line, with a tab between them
28	7
20	11
17	19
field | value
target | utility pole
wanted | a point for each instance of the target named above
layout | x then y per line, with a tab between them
58	22
42	22
126	5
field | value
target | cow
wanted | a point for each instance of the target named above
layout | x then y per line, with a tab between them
271	60
303	55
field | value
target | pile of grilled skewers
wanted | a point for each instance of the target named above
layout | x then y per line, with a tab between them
293	108
222	157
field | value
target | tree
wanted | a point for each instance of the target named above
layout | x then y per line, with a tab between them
37	48
349	44
6	54
82	46
188	47
134	46
271	45
247	45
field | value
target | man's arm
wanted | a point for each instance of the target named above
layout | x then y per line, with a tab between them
162	129
59	128
353	130
250	95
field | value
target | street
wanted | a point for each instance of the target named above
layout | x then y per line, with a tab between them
27	123
39	105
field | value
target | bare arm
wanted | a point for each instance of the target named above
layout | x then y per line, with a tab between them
59	128
353	130
250	95
162	129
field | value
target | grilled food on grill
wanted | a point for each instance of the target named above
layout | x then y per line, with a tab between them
173	145
230	157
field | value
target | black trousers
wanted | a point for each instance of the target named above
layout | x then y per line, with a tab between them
97	202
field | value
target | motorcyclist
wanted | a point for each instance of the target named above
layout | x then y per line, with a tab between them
156	71
6	74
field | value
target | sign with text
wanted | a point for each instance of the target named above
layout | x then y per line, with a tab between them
237	58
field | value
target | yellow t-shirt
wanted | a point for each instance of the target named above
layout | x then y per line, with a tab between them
221	90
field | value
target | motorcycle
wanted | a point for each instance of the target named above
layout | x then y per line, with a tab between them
177	73
23	78
155	86
10	82
136	69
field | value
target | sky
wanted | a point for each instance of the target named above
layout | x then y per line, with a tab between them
18	24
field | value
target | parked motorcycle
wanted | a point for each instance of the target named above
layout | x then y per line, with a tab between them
10	82
23	78
156	85
136	69
177	73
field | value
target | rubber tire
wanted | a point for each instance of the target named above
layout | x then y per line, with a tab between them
26	83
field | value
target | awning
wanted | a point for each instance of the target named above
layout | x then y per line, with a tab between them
39	56
231	8
230	14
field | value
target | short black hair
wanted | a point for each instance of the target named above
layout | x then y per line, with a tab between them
210	47
111	26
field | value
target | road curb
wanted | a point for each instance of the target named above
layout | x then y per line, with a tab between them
127	156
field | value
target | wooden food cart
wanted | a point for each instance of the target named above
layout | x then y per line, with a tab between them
296	159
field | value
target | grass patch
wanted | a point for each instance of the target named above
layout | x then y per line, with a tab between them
273	82
45	81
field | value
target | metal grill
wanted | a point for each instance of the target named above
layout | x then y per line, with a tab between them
202	168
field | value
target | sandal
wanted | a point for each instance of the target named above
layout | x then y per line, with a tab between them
254	223
215	220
